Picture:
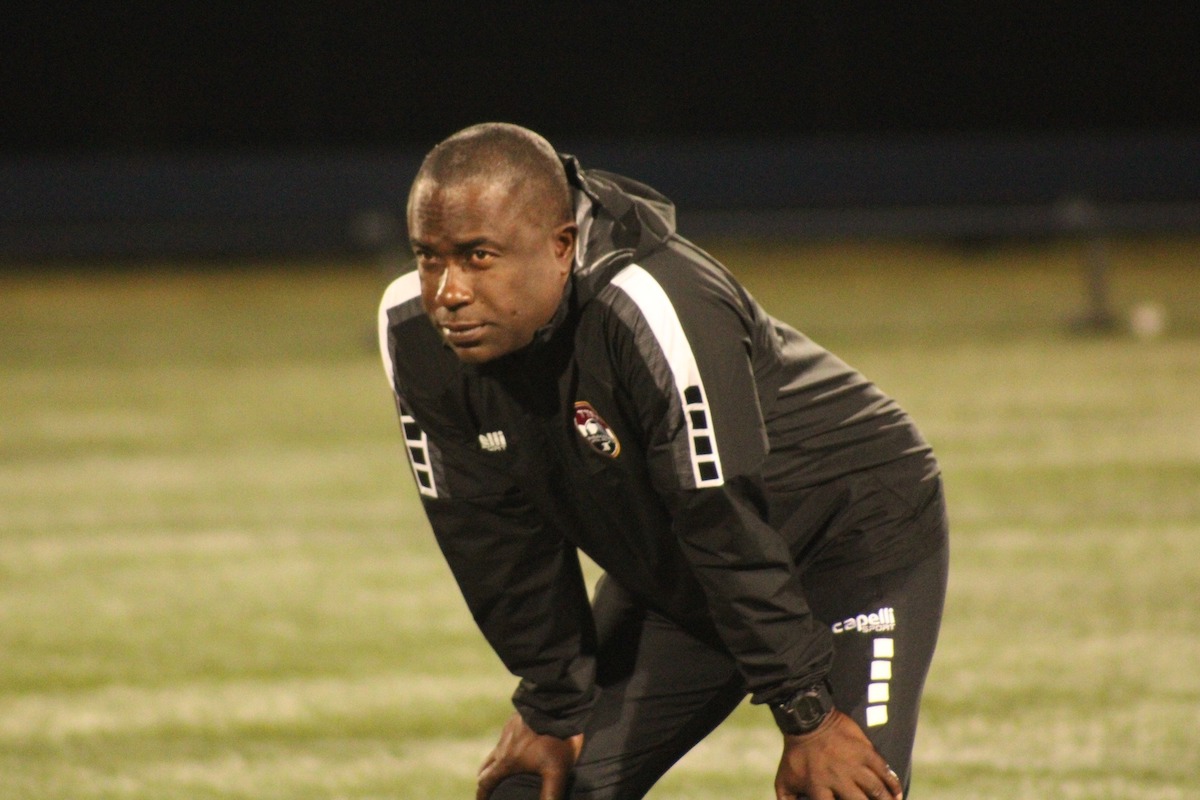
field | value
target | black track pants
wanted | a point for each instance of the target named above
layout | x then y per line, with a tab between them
664	690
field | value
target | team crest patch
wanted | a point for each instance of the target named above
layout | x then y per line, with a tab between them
595	430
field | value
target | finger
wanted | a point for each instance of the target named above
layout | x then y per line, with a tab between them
489	779
888	788
885	786
881	771
880	792
553	785
892	781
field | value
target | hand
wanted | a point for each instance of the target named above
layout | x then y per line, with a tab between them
834	762
521	749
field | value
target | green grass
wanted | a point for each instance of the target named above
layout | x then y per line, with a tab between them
216	582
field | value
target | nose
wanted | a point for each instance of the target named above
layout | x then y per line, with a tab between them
454	290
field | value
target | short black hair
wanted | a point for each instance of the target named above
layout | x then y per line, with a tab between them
507	153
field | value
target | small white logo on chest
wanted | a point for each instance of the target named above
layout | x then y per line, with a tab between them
493	442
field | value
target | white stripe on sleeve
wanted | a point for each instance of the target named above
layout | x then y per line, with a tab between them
659	313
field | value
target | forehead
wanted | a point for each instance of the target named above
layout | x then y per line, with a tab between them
465	208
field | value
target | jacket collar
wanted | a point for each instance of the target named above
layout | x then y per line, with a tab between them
619	220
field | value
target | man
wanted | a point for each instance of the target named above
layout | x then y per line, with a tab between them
571	374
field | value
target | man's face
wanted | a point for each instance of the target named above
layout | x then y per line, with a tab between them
492	269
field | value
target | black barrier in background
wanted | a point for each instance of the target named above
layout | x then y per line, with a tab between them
323	203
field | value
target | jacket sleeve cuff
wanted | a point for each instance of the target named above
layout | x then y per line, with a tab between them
554	711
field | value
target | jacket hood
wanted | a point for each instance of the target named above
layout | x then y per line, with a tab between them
619	220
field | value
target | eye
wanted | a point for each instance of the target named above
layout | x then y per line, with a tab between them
482	257
425	260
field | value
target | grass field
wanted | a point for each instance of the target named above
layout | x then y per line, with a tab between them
216	582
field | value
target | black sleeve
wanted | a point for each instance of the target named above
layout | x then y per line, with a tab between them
521	580
524	588
685	349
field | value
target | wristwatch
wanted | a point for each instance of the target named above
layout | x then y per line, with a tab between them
804	711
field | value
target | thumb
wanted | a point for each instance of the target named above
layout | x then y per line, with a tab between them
554	785
487	781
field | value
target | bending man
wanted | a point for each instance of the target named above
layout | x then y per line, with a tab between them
572	375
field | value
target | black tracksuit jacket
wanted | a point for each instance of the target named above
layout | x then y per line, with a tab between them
703	454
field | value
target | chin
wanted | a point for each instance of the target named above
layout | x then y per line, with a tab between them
476	355
483	352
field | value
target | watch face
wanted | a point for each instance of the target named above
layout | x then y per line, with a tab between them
804	712
808	709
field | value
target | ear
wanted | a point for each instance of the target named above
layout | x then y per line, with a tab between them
564	243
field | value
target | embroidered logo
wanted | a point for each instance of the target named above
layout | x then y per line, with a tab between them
493	442
595	430
881	621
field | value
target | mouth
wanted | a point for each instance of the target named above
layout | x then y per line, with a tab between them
461	334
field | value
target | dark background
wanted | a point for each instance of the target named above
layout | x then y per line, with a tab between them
240	120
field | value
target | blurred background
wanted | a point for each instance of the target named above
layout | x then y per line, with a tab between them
216	580
293	129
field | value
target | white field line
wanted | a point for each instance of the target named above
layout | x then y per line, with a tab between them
279	467
1072	740
733	749
285	771
118	709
